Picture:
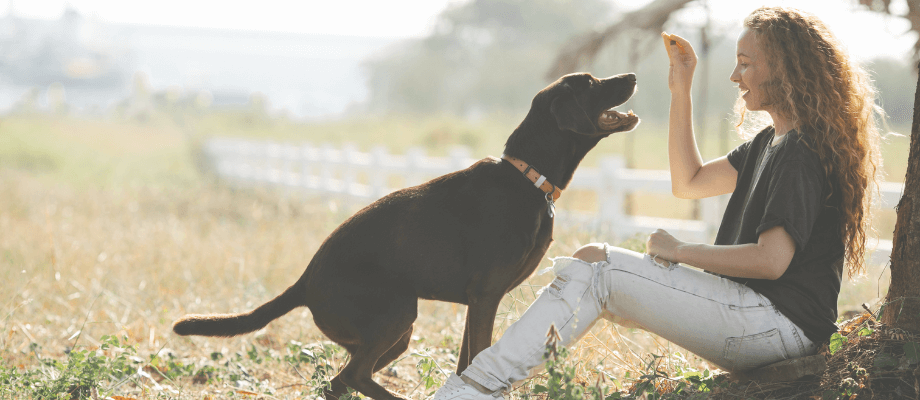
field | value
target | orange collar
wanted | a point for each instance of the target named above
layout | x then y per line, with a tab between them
538	179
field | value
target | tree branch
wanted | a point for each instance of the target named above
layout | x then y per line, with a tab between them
583	49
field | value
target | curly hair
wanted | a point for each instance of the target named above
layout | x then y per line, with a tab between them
826	95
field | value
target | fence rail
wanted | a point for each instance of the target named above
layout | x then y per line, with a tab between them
363	177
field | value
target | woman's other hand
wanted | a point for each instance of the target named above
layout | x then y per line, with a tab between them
683	62
662	245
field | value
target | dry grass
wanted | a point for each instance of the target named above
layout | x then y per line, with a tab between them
87	263
105	229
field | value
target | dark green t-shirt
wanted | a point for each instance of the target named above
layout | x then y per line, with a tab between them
790	191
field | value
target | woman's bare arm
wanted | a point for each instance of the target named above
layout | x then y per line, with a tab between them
767	259
690	177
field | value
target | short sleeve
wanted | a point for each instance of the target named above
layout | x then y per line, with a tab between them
793	200
736	156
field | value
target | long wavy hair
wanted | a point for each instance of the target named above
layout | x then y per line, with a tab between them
826	95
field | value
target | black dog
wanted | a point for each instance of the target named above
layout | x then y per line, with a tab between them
467	237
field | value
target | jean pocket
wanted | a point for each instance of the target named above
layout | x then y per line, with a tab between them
752	351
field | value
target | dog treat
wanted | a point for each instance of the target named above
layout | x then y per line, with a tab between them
679	47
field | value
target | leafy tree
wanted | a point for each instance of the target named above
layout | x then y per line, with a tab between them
482	55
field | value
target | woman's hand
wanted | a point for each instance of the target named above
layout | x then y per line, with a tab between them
683	63
662	245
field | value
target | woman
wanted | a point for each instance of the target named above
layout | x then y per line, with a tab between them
798	213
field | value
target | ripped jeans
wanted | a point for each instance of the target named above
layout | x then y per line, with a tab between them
718	319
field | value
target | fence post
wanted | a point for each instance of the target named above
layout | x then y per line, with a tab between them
610	196
415	161
712	215
291	157
458	157
327	159
243	170
349	172
273	166
228	159
308	156
377	175
261	162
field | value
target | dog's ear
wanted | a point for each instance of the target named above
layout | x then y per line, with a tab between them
570	115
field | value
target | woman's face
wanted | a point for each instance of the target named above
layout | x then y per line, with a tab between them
750	71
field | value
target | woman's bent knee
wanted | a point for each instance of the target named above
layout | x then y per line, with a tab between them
591	253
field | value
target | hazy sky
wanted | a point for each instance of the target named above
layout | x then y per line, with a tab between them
867	34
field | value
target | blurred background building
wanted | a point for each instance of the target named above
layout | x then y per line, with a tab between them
94	64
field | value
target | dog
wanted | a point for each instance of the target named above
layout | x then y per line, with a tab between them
467	237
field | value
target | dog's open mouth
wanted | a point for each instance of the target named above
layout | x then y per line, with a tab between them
612	120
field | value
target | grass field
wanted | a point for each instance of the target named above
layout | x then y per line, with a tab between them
108	234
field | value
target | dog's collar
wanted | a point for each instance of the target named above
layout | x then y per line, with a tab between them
534	176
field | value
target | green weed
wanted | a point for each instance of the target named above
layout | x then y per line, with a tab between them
83	374
654	382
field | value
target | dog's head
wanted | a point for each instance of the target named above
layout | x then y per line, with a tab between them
584	104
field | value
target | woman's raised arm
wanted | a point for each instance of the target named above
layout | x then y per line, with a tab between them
690	177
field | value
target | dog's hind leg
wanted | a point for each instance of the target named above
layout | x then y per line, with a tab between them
381	340
338	387
338	384
394	352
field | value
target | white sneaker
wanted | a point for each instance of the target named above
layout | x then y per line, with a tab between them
456	389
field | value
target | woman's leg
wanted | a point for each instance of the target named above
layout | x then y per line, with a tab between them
569	303
718	319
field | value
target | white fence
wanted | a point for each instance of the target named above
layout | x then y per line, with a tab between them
363	177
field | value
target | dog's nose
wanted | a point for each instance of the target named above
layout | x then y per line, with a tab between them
630	77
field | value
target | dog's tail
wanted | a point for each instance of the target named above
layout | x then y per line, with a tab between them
226	325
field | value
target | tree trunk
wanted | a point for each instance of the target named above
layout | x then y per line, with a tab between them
902	306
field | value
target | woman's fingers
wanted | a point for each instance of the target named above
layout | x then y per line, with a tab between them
667	42
671	43
681	43
684	49
678	48
682	62
662	244
653	241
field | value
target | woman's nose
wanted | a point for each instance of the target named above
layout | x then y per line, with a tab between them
735	76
